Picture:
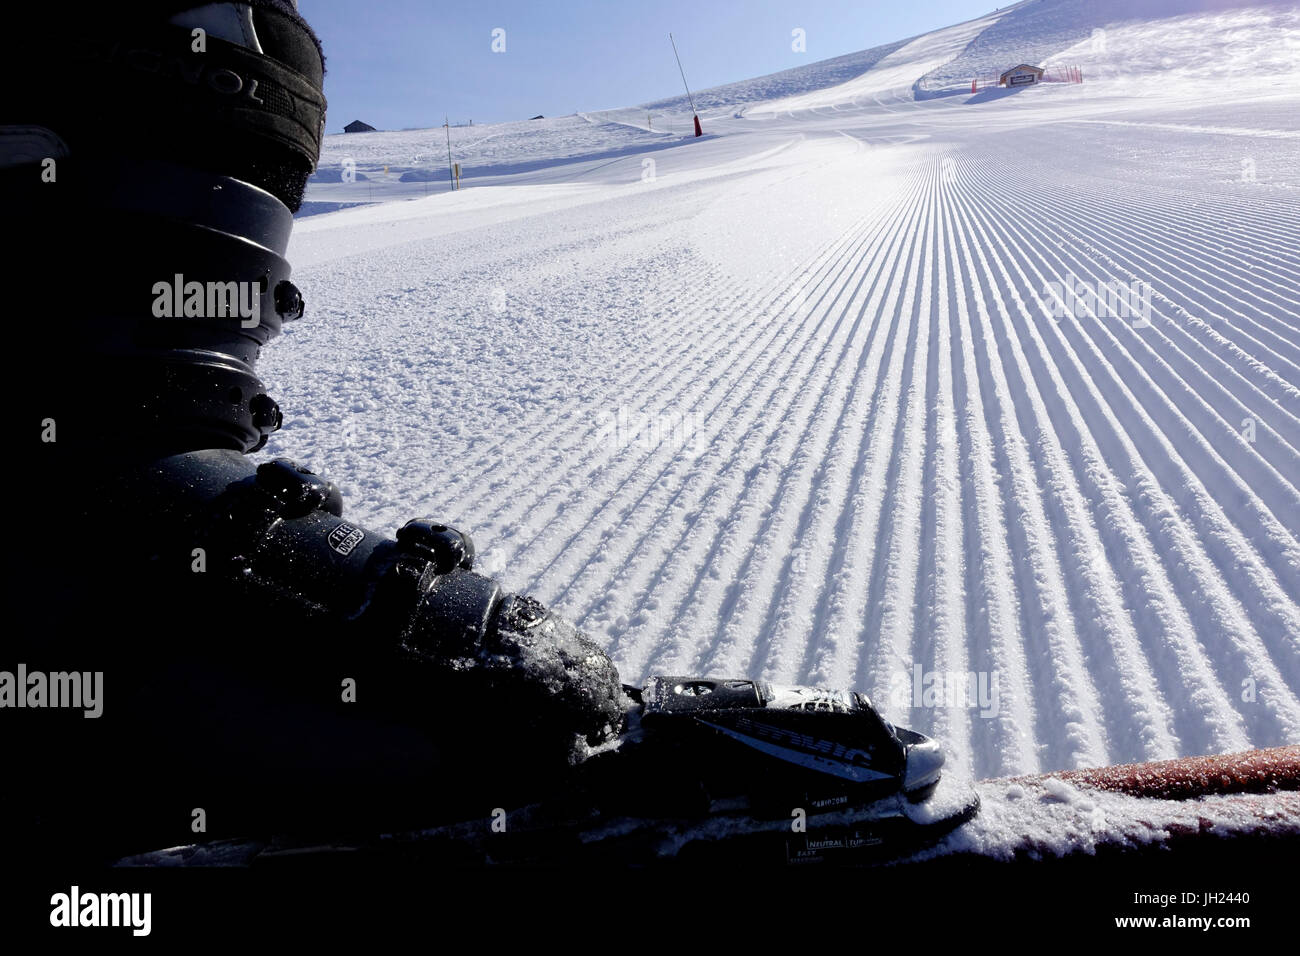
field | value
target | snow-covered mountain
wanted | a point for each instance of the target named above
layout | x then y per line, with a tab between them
987	403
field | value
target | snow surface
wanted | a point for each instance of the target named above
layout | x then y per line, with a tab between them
1051	818
789	401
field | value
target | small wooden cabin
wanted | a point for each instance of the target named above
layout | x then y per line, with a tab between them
1022	75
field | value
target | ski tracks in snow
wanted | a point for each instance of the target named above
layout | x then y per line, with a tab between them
887	465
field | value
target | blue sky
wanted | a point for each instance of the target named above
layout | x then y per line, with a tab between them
406	63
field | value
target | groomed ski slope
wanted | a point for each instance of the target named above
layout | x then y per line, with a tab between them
790	400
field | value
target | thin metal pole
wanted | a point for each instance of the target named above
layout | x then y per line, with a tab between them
451	174
689	98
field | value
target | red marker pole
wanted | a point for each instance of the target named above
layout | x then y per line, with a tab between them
690	99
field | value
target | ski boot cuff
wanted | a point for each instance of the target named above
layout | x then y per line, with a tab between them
151	82
160	340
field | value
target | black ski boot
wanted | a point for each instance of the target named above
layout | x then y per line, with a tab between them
265	665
